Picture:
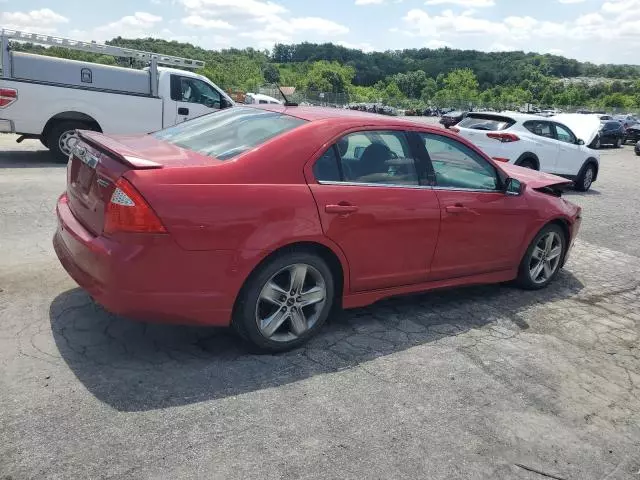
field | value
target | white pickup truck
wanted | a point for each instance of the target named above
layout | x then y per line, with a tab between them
49	98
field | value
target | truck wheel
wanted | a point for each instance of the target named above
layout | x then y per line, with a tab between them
62	137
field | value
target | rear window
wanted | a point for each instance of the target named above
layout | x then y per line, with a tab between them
228	133
491	123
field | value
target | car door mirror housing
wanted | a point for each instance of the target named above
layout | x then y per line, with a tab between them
580	142
513	187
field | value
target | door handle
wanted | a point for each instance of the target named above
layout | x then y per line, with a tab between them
456	209
183	111
342	208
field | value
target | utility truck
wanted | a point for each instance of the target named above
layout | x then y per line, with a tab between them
50	98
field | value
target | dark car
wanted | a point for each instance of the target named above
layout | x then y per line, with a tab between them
450	119
611	132
633	133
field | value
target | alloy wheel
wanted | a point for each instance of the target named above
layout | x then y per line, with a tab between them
66	141
290	302
588	178
545	258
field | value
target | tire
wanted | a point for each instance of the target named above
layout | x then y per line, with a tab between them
619	143
62	133
597	144
294	323
528	163
539	253
585	179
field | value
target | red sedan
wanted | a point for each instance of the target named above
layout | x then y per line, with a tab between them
264	218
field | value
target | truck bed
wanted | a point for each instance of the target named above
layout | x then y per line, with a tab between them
115	112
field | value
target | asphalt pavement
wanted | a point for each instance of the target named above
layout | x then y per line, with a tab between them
479	383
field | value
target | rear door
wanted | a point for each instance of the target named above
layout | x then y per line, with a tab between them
547	147
373	206
482	229
477	128
193	97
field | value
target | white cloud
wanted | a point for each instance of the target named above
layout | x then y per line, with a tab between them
369	2
437	44
138	25
43	20
208	23
463	3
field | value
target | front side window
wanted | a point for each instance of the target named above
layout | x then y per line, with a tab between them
229	132
193	90
564	134
370	157
457	166
539	128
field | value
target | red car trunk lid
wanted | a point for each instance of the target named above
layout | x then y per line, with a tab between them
98	161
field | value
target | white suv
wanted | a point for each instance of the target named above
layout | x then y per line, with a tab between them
533	142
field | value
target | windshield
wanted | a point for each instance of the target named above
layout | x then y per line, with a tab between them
230	132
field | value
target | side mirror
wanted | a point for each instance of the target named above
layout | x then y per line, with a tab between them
513	187
224	103
580	141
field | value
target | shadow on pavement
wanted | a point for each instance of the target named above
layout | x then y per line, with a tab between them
28	159
575	193
135	366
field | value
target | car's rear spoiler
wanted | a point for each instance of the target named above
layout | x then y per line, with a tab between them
117	150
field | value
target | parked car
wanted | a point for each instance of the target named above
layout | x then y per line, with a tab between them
632	133
533	142
450	119
611	132
259	98
49	98
265	218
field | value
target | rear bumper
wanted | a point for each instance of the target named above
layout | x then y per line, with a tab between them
151	278
7	126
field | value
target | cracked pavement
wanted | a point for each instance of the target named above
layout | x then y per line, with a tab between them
485	382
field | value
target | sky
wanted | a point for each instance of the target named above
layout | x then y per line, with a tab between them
600	31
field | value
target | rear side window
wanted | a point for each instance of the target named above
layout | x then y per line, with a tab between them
228	133
370	157
612	126
491	123
542	129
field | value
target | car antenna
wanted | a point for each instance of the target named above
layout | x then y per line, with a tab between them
287	103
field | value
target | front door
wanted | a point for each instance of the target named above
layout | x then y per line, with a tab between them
371	204
572	155
482	229
193	98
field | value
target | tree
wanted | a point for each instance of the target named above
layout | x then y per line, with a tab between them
326	76
429	90
271	73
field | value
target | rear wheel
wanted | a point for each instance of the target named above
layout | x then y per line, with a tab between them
62	138
585	180
541	263
285	302
528	163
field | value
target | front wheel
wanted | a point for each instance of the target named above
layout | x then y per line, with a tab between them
541	263
530	164
285	302
585	180
619	143
597	144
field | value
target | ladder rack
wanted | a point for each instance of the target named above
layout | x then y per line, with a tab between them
101	49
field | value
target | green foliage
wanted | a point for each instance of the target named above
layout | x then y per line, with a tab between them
412	77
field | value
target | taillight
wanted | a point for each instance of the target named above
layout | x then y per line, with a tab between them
7	96
128	211
501	159
503	137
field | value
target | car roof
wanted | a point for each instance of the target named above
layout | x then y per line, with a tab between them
313	114
518	117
